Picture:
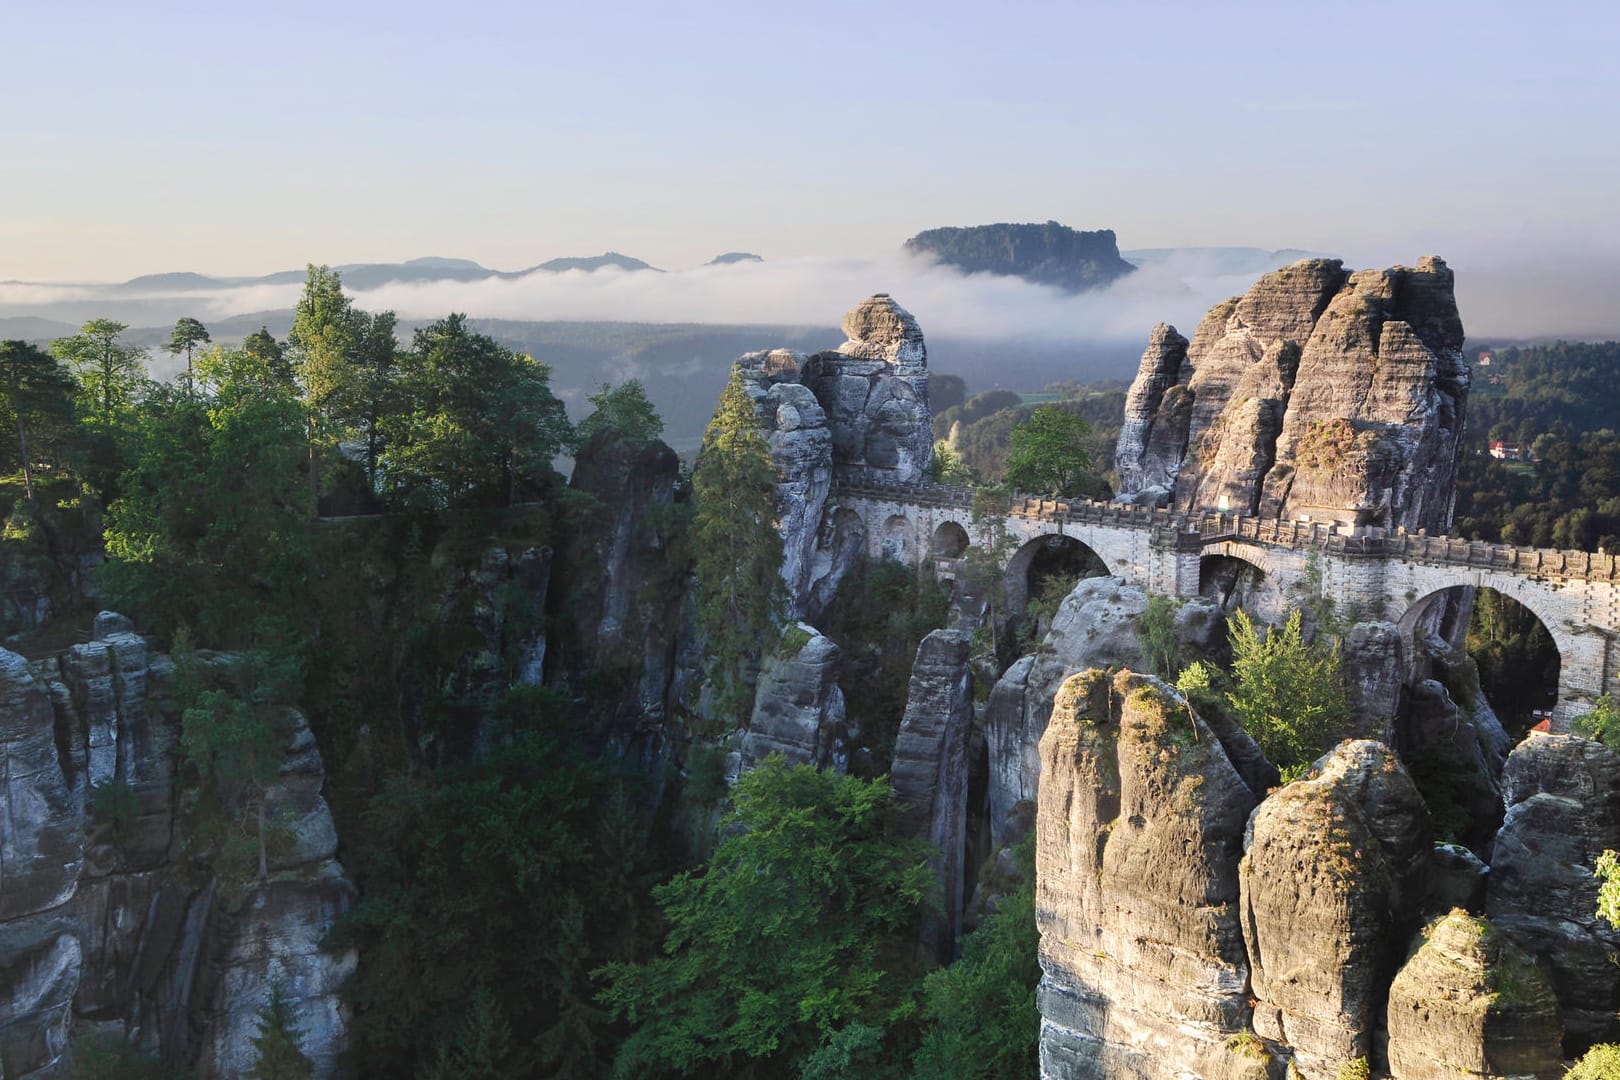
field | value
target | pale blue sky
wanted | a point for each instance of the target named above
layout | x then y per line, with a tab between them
225	138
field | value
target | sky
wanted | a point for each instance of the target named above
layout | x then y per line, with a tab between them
248	138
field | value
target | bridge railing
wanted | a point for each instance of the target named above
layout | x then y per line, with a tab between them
1271	532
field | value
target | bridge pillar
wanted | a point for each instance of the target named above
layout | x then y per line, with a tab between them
1173	563
1585	673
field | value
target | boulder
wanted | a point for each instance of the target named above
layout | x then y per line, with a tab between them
1331	869
1470	1003
798	707
1138	829
1563	811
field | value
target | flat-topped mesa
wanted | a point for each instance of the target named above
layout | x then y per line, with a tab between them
1320	394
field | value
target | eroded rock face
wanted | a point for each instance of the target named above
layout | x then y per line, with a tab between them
621	578
1470	1003
798	707
1137	832
1098	625
1333	869
120	925
1563	798
1320	392
862	405
929	775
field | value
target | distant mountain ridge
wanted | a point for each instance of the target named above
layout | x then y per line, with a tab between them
370	275
1049	254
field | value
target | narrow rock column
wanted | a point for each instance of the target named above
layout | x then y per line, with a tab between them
930	775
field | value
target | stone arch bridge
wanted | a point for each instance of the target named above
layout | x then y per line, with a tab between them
1383	574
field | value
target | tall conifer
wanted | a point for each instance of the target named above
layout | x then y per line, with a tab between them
738	550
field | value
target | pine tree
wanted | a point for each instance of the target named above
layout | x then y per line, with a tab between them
279	1054
738	550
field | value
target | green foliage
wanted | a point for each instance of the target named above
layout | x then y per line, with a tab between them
1555	401
1158	627
737	550
212	529
1608	874
981	430
1601	724
623	413
187	336
1359	1069
1289	695
984	1022
799	927
1516	658
488	892
1601	1062
477	424
877	619
105	1056
113	374
947	467
116	805
1048	453
278	1051
36	399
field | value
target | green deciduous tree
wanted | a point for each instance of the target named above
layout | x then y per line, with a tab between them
489	890
982	1012
477	423
1289	695
738	550
37	393
263	347
1049	453
1608	873
622	412
800	926
213	527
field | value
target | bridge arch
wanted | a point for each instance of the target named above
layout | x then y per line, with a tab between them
1516	633
1051	557
950	540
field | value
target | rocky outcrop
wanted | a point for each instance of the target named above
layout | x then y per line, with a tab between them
798	707
1321	392
620	580
1098	625
929	775
108	915
1333	867
1049	254
1563	812
1137	848
863	405
1470	1003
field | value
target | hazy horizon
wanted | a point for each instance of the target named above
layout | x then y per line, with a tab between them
222	140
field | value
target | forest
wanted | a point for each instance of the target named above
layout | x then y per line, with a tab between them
545	886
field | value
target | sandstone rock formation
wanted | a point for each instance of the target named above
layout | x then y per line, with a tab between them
1321	392
930	774
1332	868
111	919
1138	831
862	405
1049	254
621	582
1097	625
1563	796
798	707
1470	1003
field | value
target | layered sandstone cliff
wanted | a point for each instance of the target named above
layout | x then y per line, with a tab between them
1321	393
108	918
